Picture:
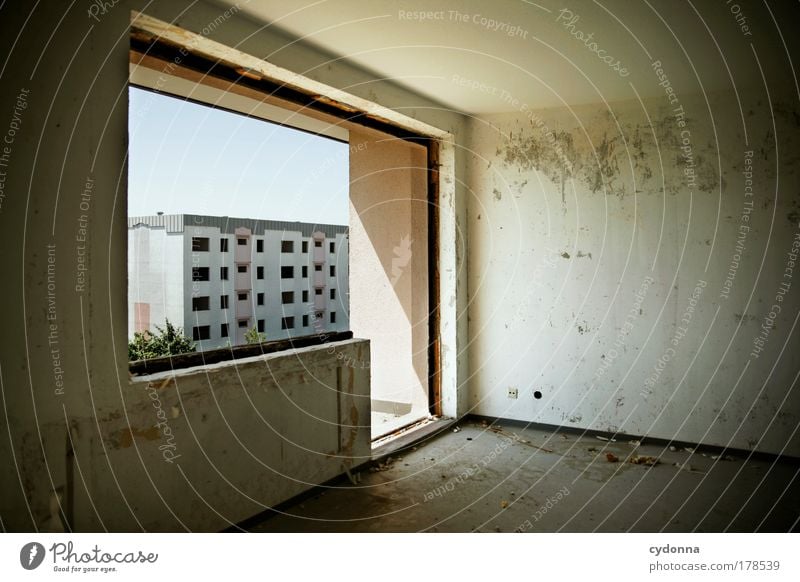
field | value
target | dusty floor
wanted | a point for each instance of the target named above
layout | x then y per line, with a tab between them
509	478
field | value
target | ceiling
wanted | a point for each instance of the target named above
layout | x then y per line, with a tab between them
532	57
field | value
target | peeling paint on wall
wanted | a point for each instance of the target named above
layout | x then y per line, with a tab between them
623	202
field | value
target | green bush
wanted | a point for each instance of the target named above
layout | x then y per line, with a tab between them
253	337
169	341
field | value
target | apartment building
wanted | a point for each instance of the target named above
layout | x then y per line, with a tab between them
219	277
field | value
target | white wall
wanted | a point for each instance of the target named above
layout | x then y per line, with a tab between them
556	259
389	268
156	276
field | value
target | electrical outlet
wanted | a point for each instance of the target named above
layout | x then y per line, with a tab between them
513	393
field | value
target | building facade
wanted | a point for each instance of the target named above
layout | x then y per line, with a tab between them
219	277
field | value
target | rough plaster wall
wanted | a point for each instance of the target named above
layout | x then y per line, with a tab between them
575	211
389	267
75	126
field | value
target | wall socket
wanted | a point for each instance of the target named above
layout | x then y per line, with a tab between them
513	393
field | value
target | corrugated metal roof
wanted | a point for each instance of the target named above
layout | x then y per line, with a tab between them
176	223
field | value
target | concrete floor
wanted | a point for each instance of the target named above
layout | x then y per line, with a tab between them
384	423
501	478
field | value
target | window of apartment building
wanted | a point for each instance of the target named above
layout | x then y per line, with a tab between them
318	244
201	274
223	273
287	272
333	293
242	323
305	271
241	268
260	245
318	268
201	303
260	299
305	296
318	291
287	246
223	302
332	247
304	246
242	242
305	321
223	330
242	296
333	317
287	323
199	244
223	245
201	332
259	272
260	326
332	270
318	315
287	297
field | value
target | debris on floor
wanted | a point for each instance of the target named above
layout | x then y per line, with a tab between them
611	458
456	429
723	458
688	468
644	460
382	466
689	450
635	443
514	436
504	504
602	438
592	449
672	448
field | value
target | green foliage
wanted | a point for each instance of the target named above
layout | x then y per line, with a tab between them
169	341
253	337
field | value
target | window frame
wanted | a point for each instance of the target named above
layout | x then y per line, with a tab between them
156	45
199	240
196	333
206	270
201	303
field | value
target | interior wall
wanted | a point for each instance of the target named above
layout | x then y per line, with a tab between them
626	267
389	270
64	236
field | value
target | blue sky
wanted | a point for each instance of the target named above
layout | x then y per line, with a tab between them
192	159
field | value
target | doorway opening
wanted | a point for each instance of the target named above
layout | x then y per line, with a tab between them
393	228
